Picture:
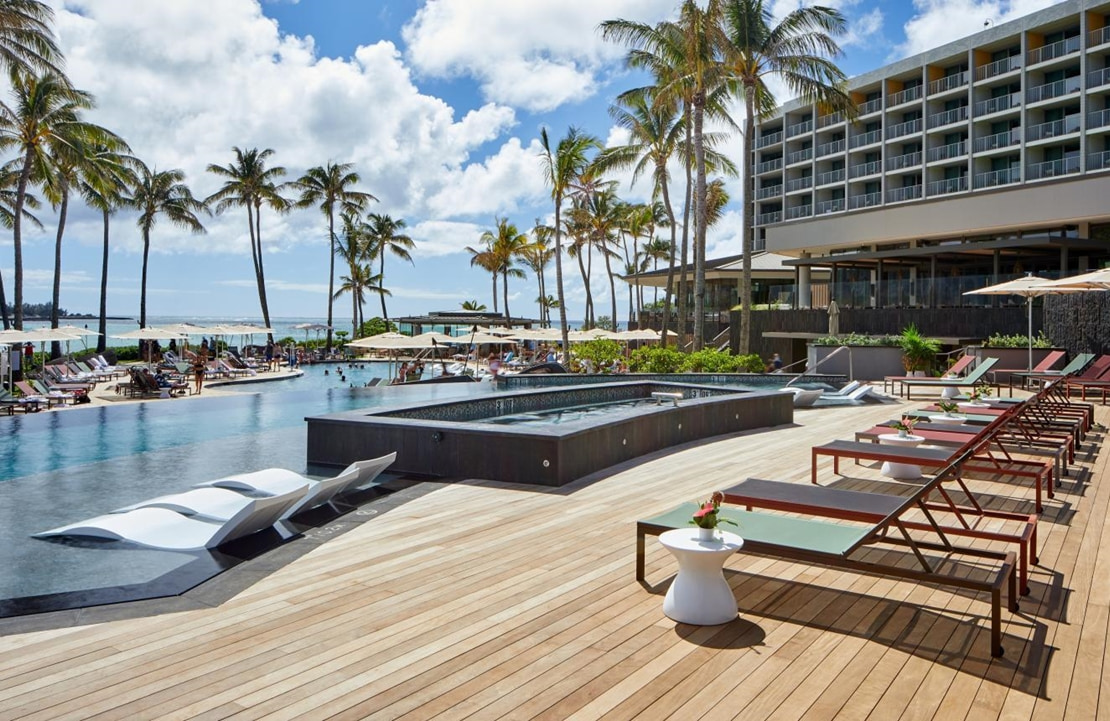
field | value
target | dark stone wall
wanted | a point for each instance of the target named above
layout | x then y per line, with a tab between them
1079	322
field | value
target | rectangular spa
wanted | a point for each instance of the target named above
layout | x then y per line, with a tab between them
543	437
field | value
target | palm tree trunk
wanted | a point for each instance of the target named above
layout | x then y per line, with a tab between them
667	295
102	326
559	273
259	267
355	293
493	274
331	273
748	222
17	237
381	283
586	283
63	208
682	294
505	291
612	286
142	293
4	305
700	218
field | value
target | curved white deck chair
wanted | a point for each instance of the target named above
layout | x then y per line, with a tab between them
166	529
209	504
272	481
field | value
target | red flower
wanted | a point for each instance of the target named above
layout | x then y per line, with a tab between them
705	510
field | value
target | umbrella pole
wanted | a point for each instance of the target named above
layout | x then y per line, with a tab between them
1029	307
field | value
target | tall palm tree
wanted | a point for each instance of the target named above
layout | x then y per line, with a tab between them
330	187
562	164
161	193
387	238
484	258
26	40
9	179
507	245
798	51
361	280
579	249
249	184
43	111
656	250
537	257
601	215
355	247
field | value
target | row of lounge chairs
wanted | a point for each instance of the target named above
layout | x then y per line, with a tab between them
220	511
861	531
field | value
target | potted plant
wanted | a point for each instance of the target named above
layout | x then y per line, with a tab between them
947	407
976	396
904	426
918	352
707	519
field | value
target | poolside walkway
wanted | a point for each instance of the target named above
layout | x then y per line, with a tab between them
485	600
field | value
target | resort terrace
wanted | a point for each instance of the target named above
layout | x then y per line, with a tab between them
489	600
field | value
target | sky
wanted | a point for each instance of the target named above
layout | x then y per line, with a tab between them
438	104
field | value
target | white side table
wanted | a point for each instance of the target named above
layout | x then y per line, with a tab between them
901	471
954	419
699	594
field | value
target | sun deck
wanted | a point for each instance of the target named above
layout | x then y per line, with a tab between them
489	600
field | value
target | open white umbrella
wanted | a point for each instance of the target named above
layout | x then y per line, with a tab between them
1095	280
149	333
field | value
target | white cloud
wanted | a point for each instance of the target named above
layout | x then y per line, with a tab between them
441	237
940	21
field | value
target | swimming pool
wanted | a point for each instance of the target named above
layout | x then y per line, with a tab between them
321	377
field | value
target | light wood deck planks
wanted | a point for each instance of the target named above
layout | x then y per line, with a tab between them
487	601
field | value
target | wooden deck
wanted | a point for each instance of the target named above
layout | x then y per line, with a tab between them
487	601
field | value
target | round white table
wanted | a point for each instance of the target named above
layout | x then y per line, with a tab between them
699	594
901	471
954	419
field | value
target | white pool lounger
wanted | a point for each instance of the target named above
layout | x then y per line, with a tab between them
207	504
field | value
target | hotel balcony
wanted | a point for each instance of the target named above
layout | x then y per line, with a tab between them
836	146
793	186
806	126
998	67
948	117
998	140
1067	46
801	211
948	185
1098	161
769	166
1054	129
943	85
861	169
867	200
770	192
897	195
1053	168
1048	91
907	128
1098	37
996	178
1098	78
832	176
858	141
904	96
900	162
766	140
871	106
831	119
947	152
997	105
799	156
1098	119
769	218
830	206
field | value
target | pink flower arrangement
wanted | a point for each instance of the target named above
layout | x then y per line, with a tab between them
706	515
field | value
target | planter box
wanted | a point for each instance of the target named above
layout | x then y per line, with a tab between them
1010	358
861	363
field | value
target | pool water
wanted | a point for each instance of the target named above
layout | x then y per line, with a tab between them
571	414
323	377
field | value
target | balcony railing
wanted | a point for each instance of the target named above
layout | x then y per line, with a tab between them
801	211
948	185
1053	168
1098	37
835	146
1048	91
769	165
867	200
832	176
830	206
799	156
907	128
825	121
904	96
998	140
774	216
806	126
858	141
764	140
907	160
862	169
770	191
994	178
997	105
998	67
1056	128
799	184
1098	119
1098	161
897	195
948	82
948	117
871	106
945	152
1098	78
1055	50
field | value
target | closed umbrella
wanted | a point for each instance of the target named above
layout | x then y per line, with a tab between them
834	318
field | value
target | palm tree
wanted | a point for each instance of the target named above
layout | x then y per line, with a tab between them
26	40
506	244
798	50
485	259
537	257
656	250
601	214
250	184
562	165
386	238
9	179
44	111
161	192
330	186
473	305
579	250
355	247
360	280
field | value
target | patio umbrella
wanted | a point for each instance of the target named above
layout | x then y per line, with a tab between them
148	334
1029	287
1095	280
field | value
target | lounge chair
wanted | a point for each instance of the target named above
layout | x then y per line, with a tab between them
971	380
166	529
33	394
957	368
11	403
1044	366
42	389
1083	383
841	546
1076	366
273	481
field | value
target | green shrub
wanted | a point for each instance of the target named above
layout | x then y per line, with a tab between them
1017	341
601	351
711	360
855	339
128	353
656	360
918	352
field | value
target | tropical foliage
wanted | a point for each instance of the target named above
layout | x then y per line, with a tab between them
999	340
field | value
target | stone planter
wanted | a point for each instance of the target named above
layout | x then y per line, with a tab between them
861	363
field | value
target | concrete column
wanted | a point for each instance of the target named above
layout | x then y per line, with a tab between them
877	301
805	294
933	281
913	286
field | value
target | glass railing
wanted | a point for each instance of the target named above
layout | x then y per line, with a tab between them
861	169
897	195
998	67
903	161
907	128
994	178
832	176
770	192
1098	37
774	216
806	126
1056	128
831	119
998	140
948	117
830	206
868	138
799	184
1098	78
799	156
1098	119
944	152
1054	90
871	106
948	83
948	185
904	96
1098	161
997	105
1055	50
769	165
801	211
764	140
867	200
835	146
1053	168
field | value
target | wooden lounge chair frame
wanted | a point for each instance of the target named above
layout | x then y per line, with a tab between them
972	379
957	368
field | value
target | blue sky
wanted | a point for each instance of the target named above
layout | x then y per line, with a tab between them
438	103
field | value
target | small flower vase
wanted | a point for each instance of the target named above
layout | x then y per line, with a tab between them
707	534
903	433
